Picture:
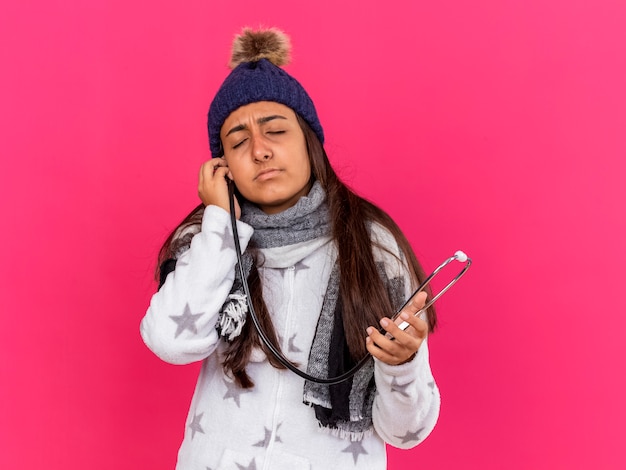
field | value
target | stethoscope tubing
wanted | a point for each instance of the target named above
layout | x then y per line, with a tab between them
278	354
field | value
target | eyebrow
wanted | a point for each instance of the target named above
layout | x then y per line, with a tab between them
259	121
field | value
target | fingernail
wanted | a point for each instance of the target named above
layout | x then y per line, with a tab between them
370	330
404	316
384	322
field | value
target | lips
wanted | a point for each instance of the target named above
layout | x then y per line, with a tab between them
266	174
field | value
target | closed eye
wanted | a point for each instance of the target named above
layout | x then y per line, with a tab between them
239	143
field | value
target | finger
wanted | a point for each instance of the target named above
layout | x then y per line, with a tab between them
412	308
380	339
417	302
379	353
219	163
397	348
412	324
212	173
388	351
399	338
212	187
208	167
203	170
220	172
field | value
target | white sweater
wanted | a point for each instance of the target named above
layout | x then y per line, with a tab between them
268	427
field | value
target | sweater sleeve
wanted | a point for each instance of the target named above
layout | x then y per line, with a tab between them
179	325
406	407
407	404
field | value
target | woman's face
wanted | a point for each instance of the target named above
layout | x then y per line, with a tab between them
266	153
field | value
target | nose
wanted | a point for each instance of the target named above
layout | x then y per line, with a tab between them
261	151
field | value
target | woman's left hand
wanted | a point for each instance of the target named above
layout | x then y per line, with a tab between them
404	344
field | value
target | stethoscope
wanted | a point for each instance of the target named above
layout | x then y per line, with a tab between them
458	256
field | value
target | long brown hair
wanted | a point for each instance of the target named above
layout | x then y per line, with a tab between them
363	295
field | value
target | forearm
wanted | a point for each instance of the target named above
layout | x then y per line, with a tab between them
179	325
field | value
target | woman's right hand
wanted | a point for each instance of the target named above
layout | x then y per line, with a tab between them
213	185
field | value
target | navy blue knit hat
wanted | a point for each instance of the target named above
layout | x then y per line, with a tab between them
257	76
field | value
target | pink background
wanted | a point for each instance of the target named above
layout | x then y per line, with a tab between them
492	126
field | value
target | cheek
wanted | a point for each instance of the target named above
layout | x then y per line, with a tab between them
307	171
306	167
234	165
303	160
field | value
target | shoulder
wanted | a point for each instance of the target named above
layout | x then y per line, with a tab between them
181	241
207	219
380	235
383	240
386	250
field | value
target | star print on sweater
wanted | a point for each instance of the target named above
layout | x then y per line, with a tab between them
301	266
356	448
401	389
234	392
292	347
225	235
268	435
411	436
195	425
186	321
251	466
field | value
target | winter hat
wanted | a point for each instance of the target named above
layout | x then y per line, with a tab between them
256	76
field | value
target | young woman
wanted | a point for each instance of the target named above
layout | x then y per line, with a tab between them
326	270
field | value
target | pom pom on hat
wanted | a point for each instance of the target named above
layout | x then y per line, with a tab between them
256	76
251	46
